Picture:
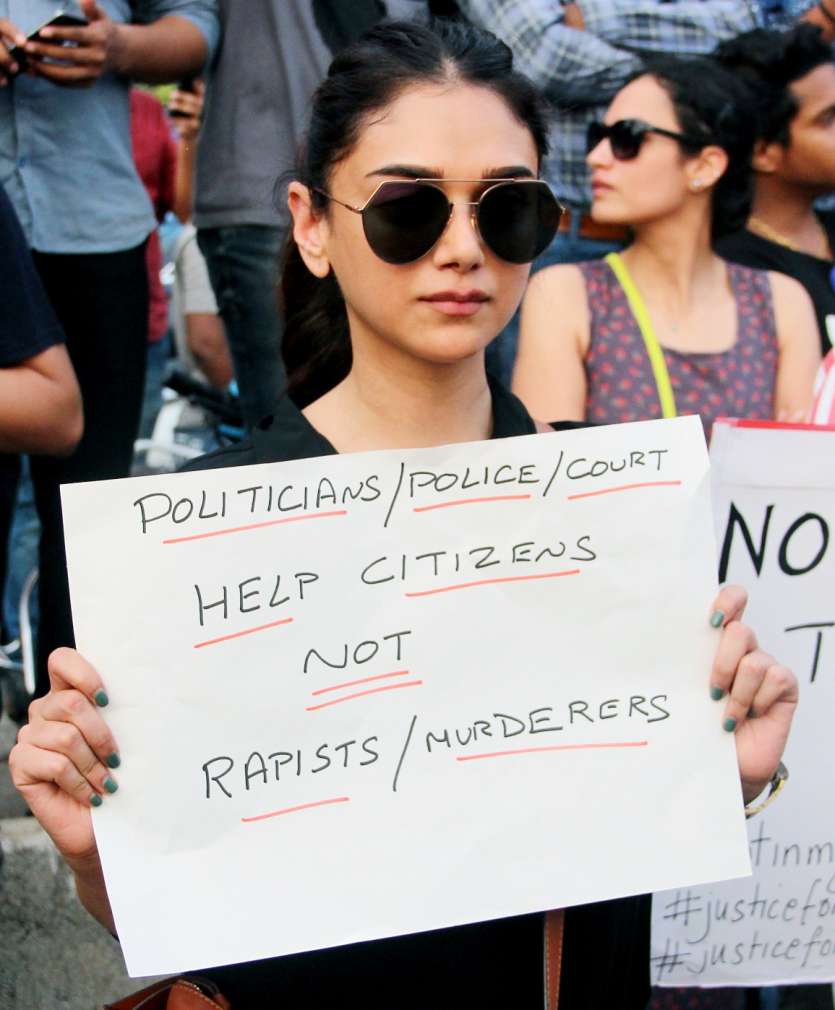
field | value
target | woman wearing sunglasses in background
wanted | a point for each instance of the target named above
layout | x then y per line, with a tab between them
417	212
667	326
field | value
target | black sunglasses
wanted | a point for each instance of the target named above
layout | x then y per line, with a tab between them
516	218
627	135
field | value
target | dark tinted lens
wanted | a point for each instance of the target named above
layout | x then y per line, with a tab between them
517	220
404	220
595	132
626	138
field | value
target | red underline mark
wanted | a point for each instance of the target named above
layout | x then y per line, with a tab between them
473	501
239	634
293	810
362	694
540	750
257	526
492	582
365	680
625	487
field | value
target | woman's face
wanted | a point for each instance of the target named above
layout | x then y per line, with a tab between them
446	132
658	181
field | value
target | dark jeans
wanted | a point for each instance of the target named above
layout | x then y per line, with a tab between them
102	302
243	268
567	247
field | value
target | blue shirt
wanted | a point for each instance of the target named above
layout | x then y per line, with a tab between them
65	153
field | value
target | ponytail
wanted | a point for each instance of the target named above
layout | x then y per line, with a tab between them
316	345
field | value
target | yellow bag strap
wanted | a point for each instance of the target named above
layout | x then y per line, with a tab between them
654	351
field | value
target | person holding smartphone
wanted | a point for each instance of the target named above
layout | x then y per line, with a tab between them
67	166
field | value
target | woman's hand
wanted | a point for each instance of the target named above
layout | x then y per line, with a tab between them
760	694
63	758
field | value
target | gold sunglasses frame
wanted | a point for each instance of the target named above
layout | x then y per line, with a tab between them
438	184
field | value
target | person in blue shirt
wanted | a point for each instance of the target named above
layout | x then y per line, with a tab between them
67	166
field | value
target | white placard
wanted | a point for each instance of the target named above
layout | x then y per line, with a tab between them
366	695
774	501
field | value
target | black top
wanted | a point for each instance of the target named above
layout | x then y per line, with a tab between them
28	324
489	964
816	275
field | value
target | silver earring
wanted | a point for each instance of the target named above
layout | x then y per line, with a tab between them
696	184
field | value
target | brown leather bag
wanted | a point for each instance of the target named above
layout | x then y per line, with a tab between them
183	993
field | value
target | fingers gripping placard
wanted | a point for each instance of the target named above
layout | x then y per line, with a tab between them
375	694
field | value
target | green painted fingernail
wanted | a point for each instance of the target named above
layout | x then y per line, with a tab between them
112	786
715	692
717	619
729	725
96	800
113	760
100	698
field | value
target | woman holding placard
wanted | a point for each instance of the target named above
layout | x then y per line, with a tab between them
417	211
668	327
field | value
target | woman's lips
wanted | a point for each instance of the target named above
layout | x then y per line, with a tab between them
457	303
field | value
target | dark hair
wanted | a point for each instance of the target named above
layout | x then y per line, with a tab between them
362	80
770	61
711	104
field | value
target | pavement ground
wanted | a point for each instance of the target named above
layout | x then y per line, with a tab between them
53	955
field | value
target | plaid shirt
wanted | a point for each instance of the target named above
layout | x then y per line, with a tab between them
580	71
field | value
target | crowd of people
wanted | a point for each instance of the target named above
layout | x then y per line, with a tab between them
648	180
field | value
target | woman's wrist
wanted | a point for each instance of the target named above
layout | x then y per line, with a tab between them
758	795
91	889
827	13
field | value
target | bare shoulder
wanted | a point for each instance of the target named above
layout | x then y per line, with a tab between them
556	305
787	292
557	282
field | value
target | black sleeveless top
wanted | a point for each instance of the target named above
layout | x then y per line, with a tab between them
484	965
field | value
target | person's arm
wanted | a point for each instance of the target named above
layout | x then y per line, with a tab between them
569	66
206	339
40	405
176	43
797	338
187	125
690	27
549	376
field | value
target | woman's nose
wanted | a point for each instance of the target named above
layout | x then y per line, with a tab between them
460	244
600	155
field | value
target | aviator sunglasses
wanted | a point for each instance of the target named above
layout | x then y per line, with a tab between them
626	137
403	220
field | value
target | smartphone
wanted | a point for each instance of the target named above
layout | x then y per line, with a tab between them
60	19
187	84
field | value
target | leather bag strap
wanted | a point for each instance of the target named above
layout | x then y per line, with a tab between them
554	928
176	993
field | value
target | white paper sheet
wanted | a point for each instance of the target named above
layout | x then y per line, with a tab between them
479	689
778	487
